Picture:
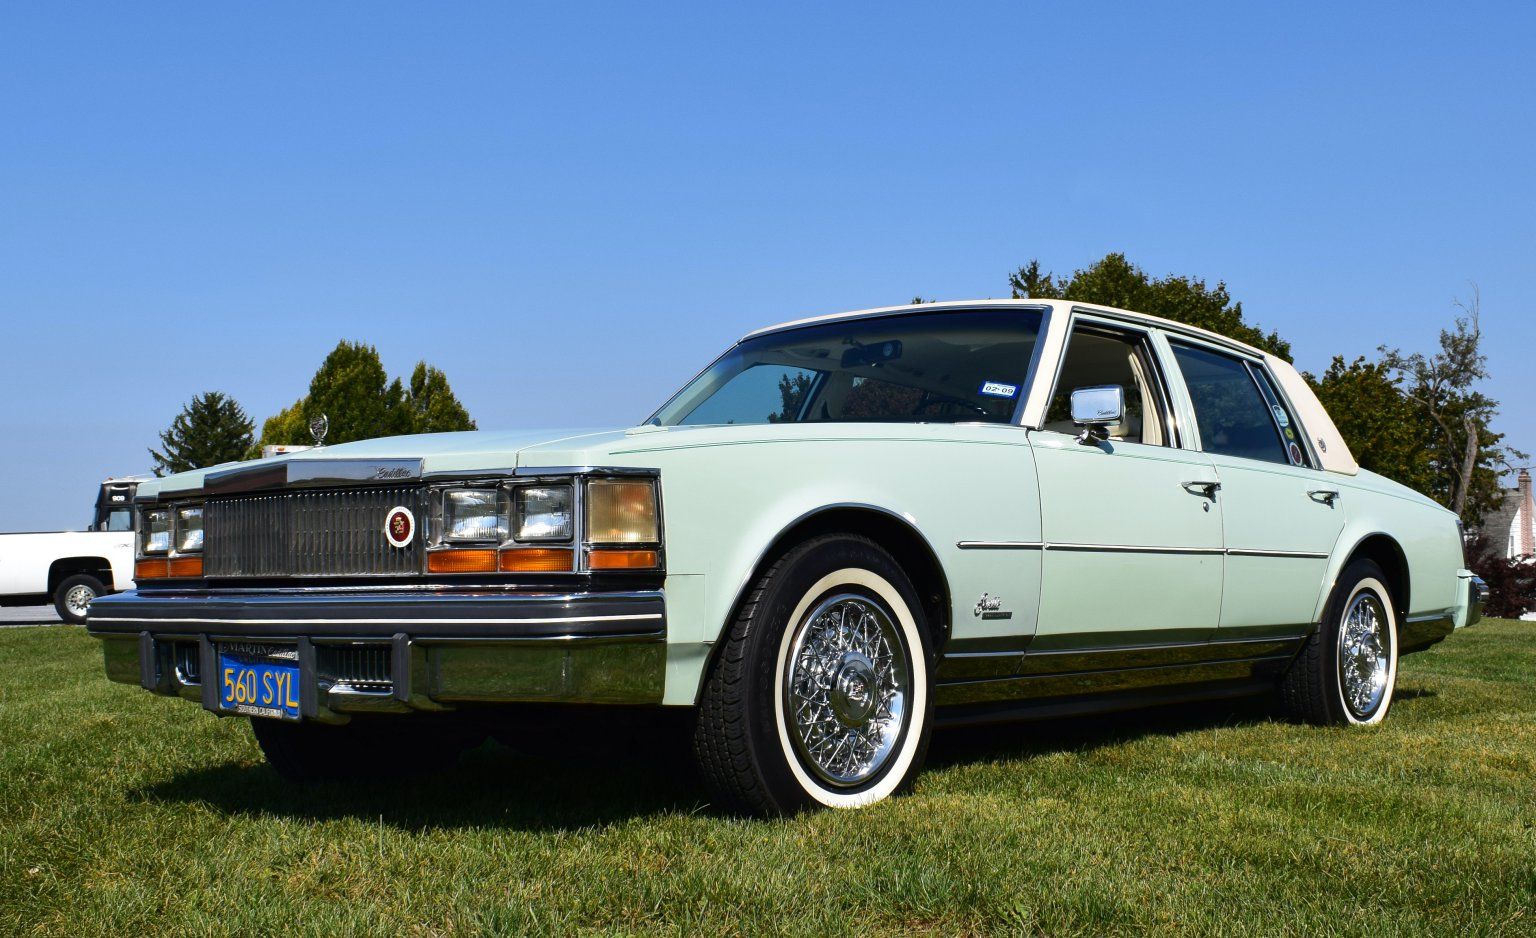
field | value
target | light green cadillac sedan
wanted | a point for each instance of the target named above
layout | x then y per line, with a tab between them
843	531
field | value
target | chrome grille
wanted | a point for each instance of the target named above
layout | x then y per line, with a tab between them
362	666
323	532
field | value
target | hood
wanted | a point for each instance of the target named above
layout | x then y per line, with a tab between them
492	452
473	450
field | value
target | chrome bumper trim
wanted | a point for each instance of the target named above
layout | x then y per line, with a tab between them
1477	598
455	613
574	648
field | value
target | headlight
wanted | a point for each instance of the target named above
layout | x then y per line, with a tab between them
155	531
189	529
622	512
542	513
473	515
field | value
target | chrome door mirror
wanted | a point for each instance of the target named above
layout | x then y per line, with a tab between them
1093	409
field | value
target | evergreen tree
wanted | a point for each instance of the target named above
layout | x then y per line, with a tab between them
212	429
431	405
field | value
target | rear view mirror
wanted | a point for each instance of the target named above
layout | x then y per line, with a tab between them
1093	409
867	355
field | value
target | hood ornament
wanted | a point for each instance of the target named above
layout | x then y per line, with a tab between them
318	427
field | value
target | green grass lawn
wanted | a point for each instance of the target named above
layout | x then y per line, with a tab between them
125	813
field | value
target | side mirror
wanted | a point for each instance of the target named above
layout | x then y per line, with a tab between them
1093	409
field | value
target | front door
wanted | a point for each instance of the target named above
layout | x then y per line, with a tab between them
1131	526
1281	515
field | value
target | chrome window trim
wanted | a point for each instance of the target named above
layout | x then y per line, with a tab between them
1270	394
1111	323
1248	358
1314	459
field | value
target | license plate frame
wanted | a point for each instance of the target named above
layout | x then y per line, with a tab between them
259	681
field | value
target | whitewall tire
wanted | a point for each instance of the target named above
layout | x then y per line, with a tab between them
820	695
1346	673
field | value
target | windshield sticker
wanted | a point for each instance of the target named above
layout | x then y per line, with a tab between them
1281	417
999	389
1294	452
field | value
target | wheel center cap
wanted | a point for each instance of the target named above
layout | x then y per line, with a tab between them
855	687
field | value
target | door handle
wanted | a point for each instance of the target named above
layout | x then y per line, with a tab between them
1326	496
1207	489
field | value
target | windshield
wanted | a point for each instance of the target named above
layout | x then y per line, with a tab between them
940	367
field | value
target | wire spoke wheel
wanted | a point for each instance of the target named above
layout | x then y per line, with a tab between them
1365	655
847	689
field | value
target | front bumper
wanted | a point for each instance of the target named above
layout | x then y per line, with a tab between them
377	651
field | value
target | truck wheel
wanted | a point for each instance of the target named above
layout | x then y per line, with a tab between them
1347	671
820	694
386	747
74	595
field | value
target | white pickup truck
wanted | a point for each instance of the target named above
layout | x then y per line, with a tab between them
71	568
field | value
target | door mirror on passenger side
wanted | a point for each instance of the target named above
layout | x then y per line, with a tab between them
1093	409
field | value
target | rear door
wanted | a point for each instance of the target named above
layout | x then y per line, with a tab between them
1280	515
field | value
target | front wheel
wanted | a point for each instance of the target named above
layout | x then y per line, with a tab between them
1347	671
820	695
73	597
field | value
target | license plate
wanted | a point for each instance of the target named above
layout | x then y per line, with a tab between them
260	685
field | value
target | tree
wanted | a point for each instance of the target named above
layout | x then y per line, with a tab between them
1115	281
212	429
360	401
1465	456
430	403
1384	429
356	395
792	391
285	426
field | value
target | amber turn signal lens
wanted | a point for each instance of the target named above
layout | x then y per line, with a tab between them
151	569
186	566
536	560
622	560
461	561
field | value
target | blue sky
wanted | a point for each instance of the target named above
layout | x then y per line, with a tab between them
571	207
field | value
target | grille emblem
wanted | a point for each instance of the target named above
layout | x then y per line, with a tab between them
399	526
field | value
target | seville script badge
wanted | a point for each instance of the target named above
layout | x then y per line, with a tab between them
399	526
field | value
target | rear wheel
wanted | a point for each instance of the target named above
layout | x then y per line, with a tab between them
820	695
72	598
363	748
1347	671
